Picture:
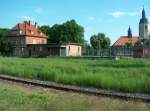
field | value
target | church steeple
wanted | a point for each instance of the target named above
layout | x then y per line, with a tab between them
144	29
129	32
144	18
143	13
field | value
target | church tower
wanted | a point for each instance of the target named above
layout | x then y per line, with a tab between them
144	32
129	32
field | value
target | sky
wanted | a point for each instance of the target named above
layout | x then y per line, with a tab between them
111	17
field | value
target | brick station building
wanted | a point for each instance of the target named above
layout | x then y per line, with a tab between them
28	40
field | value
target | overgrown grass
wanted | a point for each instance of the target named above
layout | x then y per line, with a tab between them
128	75
17	97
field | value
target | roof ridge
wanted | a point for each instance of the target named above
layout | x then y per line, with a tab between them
28	29
124	39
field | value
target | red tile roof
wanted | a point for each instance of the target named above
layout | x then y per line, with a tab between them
123	40
26	29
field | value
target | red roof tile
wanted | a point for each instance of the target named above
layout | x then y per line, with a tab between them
26	29
123	40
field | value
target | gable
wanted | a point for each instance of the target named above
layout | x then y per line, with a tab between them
26	29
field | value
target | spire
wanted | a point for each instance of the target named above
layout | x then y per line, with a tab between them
144	19
143	13
129	32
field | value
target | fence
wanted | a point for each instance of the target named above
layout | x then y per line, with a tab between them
112	51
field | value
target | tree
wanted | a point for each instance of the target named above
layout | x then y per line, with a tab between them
67	32
5	46
100	42
45	29
72	32
3	32
129	44
55	34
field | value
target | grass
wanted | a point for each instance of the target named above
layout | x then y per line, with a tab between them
127	75
17	97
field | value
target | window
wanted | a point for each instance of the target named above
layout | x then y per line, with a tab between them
43	41
22	49
146	27
17	42
49	49
146	51
32	33
39	41
22	41
41	49
34	41
69	48
78	49
41	34
34	49
20	32
29	31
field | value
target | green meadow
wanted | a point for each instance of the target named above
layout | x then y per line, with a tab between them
126	75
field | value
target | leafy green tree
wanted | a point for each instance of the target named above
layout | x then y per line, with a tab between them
100	41
72	32
3	32
67	32
5	46
45	29
129	44
55	34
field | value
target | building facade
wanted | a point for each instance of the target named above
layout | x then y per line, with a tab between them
135	46
142	52
144	26
124	45
67	49
25	33
28	40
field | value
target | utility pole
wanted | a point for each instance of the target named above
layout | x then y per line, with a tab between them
99	48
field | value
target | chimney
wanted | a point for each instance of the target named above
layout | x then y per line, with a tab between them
36	25
29	22
25	28
18	26
26	21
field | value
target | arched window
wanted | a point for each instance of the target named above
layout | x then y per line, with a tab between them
146	27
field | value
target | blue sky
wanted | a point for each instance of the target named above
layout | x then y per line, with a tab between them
111	17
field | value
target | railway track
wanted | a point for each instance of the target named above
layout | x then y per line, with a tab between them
90	91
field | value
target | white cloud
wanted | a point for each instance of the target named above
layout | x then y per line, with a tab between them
91	18
39	10
26	18
118	14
